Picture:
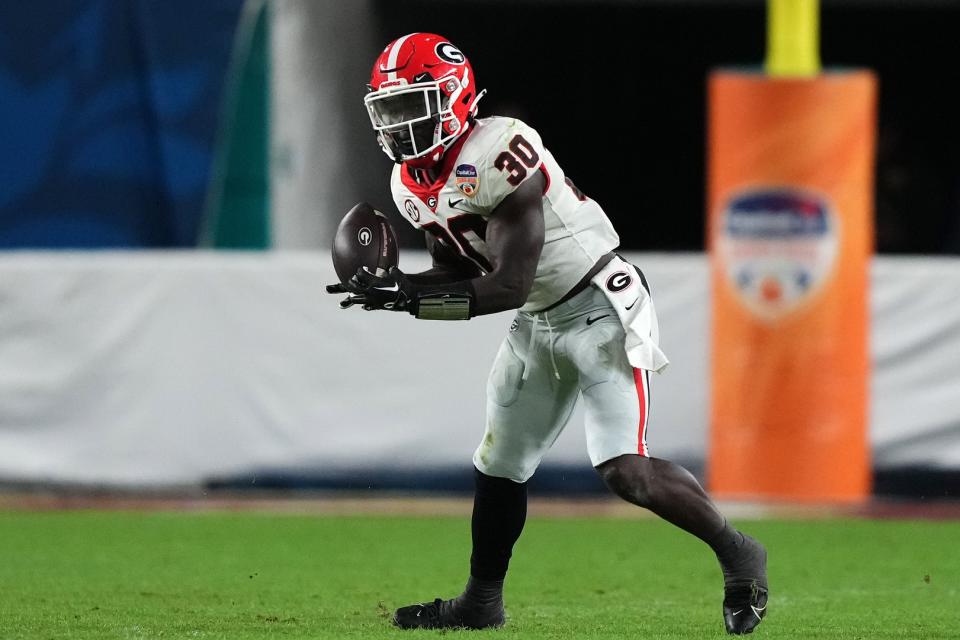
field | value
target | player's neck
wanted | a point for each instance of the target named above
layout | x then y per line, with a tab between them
425	175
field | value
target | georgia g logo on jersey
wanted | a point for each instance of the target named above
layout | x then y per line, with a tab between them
449	53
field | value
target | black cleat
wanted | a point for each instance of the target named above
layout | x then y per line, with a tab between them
745	589
744	608
448	614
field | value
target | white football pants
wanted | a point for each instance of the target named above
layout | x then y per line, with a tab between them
547	361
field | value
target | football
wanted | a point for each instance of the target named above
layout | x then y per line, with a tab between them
364	239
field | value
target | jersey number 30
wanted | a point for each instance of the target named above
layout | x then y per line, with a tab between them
522	156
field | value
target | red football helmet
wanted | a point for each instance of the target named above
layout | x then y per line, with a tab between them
422	96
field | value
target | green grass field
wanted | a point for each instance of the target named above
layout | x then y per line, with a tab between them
239	576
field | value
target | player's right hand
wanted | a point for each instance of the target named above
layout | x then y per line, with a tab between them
390	290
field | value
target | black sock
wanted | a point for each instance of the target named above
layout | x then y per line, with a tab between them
482	593
499	511
726	541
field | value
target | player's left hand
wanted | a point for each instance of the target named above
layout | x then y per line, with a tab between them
391	290
347	302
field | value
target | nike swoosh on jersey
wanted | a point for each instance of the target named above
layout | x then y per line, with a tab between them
630	306
453	203
590	321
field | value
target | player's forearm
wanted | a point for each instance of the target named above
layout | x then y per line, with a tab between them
436	275
492	293
497	292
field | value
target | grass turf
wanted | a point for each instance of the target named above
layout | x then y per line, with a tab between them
238	576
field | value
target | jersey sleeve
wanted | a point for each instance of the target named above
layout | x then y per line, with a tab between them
515	155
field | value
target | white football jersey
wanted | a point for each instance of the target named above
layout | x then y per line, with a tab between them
477	173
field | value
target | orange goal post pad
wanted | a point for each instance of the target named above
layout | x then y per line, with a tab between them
790	234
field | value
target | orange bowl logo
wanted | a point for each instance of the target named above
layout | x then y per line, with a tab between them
777	247
467	179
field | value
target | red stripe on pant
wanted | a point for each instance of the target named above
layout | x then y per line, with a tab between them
643	394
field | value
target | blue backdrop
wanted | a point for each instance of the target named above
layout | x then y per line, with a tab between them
108	117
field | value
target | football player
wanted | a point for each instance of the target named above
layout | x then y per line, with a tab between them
508	230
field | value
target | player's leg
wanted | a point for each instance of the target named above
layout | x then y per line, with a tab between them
671	492
659	485
617	403
499	513
527	408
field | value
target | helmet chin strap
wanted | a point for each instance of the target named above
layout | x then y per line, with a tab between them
389	150
473	105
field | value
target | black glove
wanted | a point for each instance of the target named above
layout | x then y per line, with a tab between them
395	292
392	291
339	288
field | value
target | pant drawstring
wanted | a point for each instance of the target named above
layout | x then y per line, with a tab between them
553	361
533	334
526	363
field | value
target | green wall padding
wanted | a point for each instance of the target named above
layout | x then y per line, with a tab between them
238	213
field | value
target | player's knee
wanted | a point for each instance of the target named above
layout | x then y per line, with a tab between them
503	467
628	477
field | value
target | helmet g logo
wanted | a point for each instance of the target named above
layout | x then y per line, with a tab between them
364	236
449	53
619	281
